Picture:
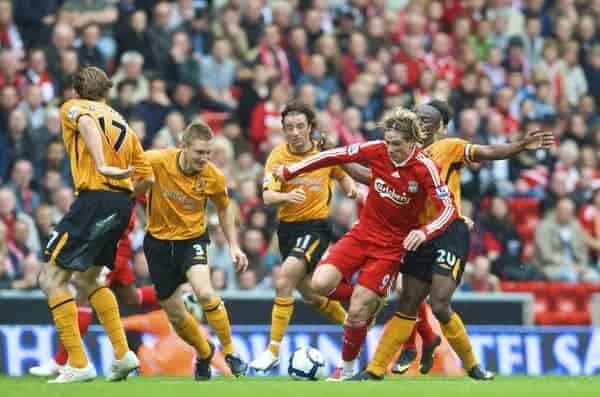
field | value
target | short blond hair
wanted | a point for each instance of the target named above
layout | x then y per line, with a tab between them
90	82
404	121
197	130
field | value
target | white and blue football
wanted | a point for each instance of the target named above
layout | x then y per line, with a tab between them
306	363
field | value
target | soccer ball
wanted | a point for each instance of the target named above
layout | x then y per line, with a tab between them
192	306
306	363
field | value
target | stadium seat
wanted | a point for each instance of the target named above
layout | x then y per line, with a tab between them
214	120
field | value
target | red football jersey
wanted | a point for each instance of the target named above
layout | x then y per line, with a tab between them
397	192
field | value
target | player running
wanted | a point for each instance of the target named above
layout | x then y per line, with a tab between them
176	242
103	153
121	280
436	268
404	181
303	233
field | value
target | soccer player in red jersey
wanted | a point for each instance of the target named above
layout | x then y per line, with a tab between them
404	182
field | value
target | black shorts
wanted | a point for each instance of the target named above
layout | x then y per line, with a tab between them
446	254
169	261
88	234
306	240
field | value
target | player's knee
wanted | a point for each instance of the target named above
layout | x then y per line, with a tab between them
205	295
176	315
320	285
45	281
284	285
441	309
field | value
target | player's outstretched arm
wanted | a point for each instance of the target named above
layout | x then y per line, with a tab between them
533	140
91	136
227	222
358	172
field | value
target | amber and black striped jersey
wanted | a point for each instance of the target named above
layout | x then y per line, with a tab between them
120	146
176	205
317	185
450	155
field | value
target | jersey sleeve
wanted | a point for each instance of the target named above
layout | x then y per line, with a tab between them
364	152
338	173
461	150
270	182
220	196
140	162
439	195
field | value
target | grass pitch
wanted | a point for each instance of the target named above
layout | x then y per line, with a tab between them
435	386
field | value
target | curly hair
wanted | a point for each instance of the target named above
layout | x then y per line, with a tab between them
405	121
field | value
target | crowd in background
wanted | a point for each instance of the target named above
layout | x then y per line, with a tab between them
505	66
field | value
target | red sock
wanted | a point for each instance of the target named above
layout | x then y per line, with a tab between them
354	337
84	319
423	327
410	343
147	296
342	292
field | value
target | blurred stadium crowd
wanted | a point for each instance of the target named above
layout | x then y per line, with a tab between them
505	66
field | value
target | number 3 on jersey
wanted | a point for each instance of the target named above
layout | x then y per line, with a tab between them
122	128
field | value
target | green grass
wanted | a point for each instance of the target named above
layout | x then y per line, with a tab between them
435	386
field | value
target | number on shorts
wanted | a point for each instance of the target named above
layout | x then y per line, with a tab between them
302	242
199	250
53	237
446	257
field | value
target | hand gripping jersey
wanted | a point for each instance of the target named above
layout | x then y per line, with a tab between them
397	192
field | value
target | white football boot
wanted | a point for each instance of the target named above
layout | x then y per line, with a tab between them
265	361
70	374
49	368
120	369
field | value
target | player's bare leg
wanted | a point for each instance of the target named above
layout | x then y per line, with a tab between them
326	279
293	270
104	303
188	329
54	282
442	289
216	315
363	306
398	329
330	309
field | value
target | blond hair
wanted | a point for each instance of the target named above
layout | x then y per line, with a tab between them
404	121
197	130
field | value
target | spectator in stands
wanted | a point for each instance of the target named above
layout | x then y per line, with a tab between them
21	178
35	19
18	143
55	159
317	76
172	130
44	223
51	182
181	12
200	32
10	70
89	51
297	53
589	218
273	56
38	75
218	279
253	91
154	110
260	262
266	117
160	35
136	38
32	107
181	66
228	27
220	258
560	244
356	59
343	218
253	22
63	38
247	280
184	100
328	47
125	102
131	69
9	34
8	261
62	198
502	244
478	278
9	215
217	75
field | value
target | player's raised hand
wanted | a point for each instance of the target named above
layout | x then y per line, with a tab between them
414	239
115	172
539	139
240	259
296	196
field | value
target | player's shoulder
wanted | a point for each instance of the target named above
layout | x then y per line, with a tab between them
279	150
211	170
156	156
448	143
425	164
